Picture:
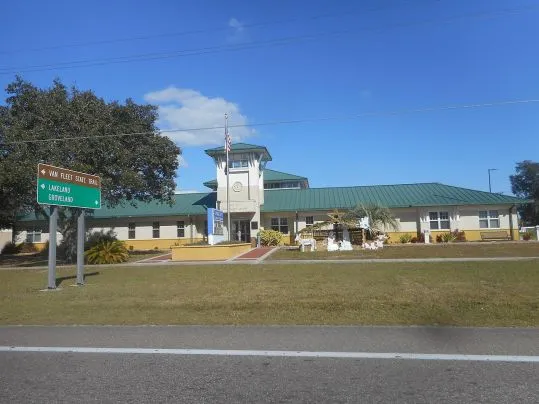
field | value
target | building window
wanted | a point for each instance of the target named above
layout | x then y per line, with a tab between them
180	225
489	219
33	236
280	224
131	231
239	163
290	185
439	220
309	220
277	185
155	230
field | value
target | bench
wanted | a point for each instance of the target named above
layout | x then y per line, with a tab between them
494	235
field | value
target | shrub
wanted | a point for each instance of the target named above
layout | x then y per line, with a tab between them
107	252
445	238
450	237
459	235
527	236
11	248
98	237
27	248
45	250
271	237
421	238
405	238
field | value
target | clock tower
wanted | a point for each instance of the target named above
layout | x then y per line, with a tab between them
246	192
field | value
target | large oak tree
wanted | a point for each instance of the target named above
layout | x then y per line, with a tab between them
525	184
76	129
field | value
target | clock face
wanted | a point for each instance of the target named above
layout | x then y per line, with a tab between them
236	187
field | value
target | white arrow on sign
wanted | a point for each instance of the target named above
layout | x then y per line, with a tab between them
42	186
42	171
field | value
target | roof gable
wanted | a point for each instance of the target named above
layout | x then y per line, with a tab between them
276	176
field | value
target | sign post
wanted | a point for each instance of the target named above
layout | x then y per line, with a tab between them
53	222
80	249
61	187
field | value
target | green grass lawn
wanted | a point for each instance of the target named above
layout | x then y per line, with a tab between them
452	250
463	294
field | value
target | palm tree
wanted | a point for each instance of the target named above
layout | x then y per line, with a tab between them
380	218
335	218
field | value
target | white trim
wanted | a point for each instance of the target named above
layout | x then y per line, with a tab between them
266	353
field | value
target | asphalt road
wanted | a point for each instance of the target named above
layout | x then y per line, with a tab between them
116	377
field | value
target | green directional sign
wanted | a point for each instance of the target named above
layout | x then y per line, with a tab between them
61	187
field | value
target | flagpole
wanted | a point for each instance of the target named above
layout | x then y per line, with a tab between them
227	146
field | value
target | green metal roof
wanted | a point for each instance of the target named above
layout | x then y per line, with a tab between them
391	196
185	204
286	200
269	176
278	176
240	147
210	184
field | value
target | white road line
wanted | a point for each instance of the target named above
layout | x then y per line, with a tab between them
289	354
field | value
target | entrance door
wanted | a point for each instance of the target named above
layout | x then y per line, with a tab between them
241	230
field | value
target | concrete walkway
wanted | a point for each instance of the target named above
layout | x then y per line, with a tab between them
257	255
160	258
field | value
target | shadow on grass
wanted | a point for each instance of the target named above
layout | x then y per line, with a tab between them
65	278
26	260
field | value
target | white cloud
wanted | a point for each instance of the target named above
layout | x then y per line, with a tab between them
234	23
237	33
186	191
182	162
181	108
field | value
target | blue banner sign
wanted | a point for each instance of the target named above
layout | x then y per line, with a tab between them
215	222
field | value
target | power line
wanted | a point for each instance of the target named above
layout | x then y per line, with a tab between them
208	30
248	45
293	121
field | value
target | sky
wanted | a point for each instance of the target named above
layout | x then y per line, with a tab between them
370	81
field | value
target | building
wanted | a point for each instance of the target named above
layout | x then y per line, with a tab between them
261	198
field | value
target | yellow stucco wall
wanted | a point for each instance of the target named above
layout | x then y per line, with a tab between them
40	246
208	253
471	235
394	236
160	243
475	235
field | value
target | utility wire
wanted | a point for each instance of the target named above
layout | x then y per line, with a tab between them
248	45
292	121
208	30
